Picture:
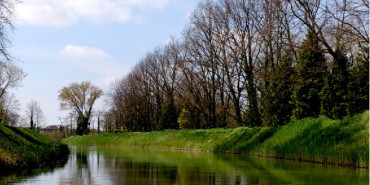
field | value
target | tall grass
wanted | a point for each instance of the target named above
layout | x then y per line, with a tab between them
322	140
22	148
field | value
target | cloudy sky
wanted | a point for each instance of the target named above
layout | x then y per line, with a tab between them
64	41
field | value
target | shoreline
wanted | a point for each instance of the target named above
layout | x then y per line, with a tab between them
230	153
25	149
315	140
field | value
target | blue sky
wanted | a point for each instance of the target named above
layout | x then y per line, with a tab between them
60	42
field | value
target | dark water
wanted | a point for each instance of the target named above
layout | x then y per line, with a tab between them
109	165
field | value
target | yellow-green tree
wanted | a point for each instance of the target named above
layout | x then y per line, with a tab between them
80	97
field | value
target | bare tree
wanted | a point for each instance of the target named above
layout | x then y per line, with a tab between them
109	120
71	118
34	114
9	110
203	50
10	77
335	23
233	56
7	14
100	118
244	40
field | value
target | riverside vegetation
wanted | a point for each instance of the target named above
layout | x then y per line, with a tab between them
22	148
243	63
322	140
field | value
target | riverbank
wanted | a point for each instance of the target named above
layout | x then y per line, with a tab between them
22	148
320	140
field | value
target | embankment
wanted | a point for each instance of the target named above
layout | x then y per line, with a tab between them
22	148
320	140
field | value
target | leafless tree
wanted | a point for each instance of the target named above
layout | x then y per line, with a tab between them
9	110
220	71
335	23
7	16
34	114
11	76
100	119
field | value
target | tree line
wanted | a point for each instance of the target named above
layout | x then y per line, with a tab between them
11	77
251	63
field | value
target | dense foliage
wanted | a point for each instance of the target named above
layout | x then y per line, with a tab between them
309	79
251	63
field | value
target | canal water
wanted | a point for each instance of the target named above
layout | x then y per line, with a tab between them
127	166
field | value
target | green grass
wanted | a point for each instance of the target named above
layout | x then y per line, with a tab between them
322	140
22	148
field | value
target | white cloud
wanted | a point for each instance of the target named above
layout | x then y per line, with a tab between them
148	3
94	61
44	12
83	53
67	12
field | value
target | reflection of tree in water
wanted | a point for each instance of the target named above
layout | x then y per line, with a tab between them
162	168
200	176
81	160
13	177
91	165
153	167
137	173
78	169
83	170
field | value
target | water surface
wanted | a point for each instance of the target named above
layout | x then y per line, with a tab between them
112	165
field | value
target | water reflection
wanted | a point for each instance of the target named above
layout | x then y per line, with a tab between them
7	177
108	165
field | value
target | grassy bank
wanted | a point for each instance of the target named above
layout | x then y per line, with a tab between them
319	140
22	148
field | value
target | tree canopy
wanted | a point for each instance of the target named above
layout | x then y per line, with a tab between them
80	97
251	63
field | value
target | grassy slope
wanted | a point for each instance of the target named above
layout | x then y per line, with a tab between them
313	139
22	148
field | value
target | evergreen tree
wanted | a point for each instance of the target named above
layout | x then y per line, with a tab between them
358	86
309	75
168	118
82	125
275	106
335	96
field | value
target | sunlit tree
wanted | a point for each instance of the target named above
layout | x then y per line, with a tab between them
80	97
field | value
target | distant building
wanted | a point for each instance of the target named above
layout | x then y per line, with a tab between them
52	128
